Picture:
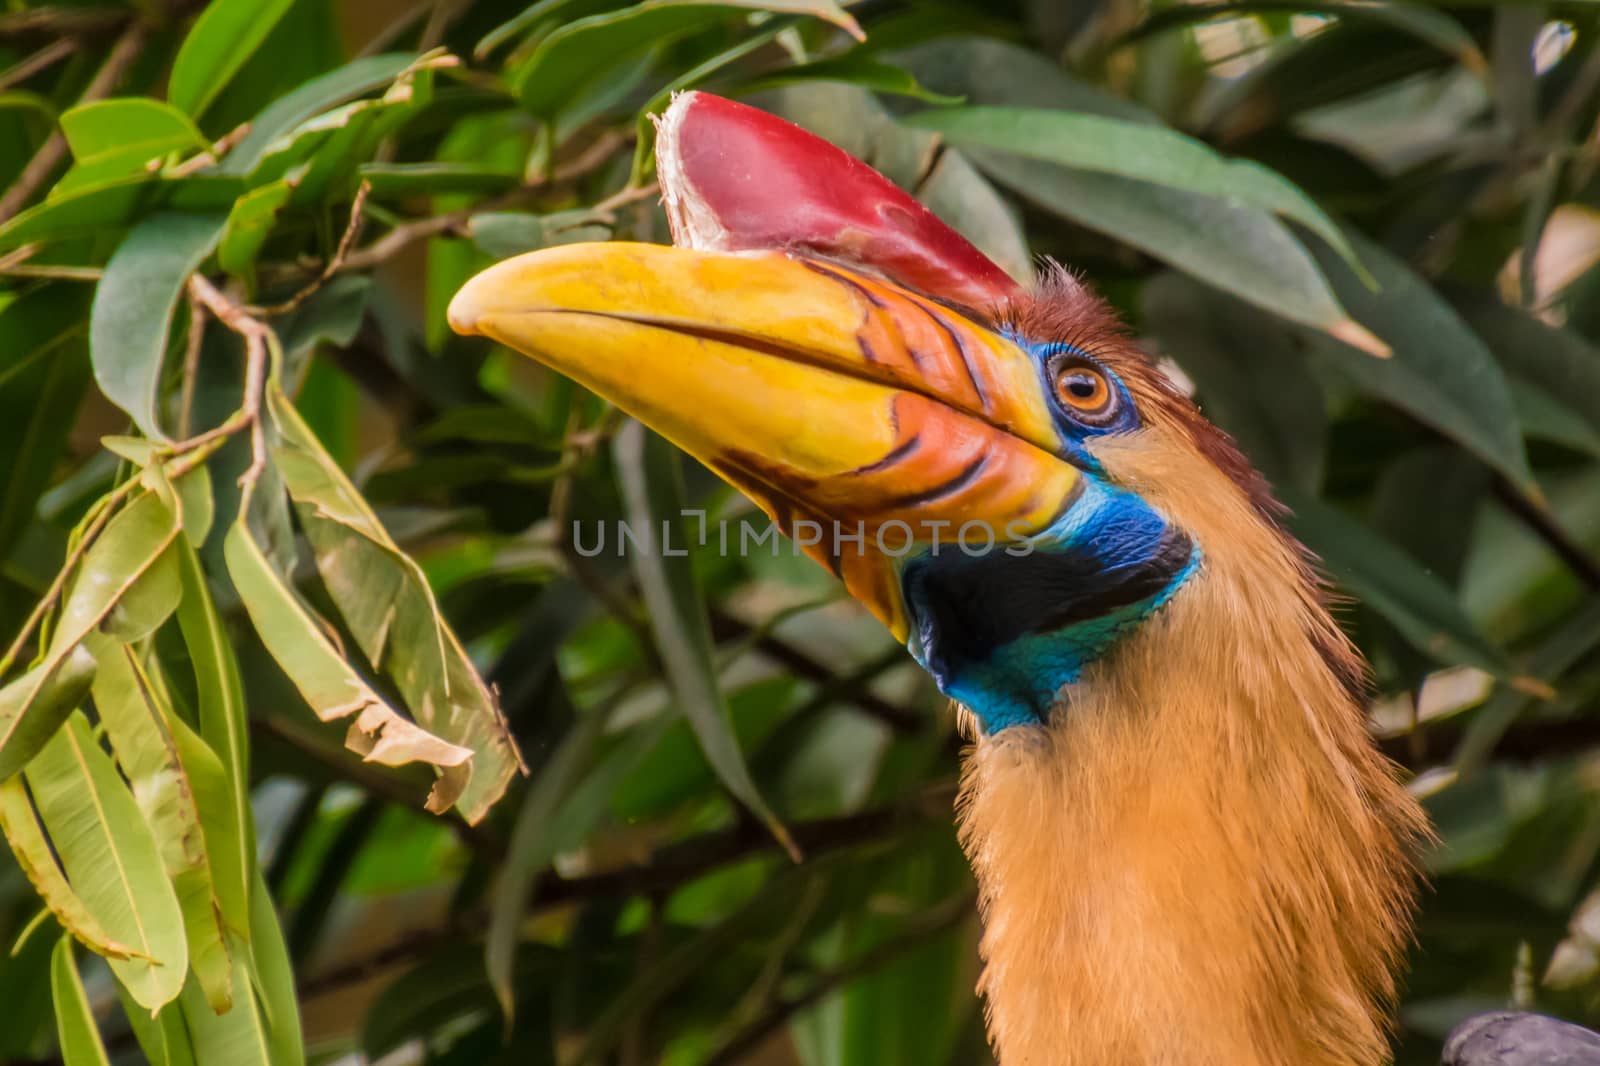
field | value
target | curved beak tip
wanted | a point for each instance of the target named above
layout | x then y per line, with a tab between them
463	313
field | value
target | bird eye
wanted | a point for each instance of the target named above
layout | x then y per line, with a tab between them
1085	393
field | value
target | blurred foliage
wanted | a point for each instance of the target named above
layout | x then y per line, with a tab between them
282	498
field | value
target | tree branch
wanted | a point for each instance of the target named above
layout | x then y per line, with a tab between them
49	156
1546	528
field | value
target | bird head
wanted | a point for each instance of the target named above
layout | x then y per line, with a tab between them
996	473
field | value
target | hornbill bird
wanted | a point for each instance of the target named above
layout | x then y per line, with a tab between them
1188	849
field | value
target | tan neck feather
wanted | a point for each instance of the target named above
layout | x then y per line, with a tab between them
1202	860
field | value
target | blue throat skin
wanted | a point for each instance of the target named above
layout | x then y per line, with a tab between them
1002	632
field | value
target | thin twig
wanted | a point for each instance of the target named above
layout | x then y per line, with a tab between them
57	273
403	236
44	162
211	156
61	21
45	57
606	208
347	240
258	340
191	364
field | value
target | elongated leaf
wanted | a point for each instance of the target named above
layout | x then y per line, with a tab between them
133	308
332	688
249	224
558	812
387	603
95	210
1242	250
239	1036
33	854
40	390
651	481
580	54
224	728
408	179
1416	602
503	234
222	38
1254	383
1557	361
75	1026
111	860
32	706
274	979
164	1039
1134	150
856	67
349	81
1441	372
142	729
114	138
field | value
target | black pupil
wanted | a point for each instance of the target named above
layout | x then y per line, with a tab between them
1082	386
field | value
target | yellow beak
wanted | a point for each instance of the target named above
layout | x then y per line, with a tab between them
883	421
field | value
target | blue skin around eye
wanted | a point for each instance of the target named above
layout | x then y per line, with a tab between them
1002	633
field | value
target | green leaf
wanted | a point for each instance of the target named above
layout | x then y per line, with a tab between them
423	179
38	862
111	860
581	55
113	138
170	779
75	1026
222	38
1253	383
534	840
503	234
40	391
32	706
1441	372
239	1036
224	728
164	1039
319	154
1556	361
1240	249
1133	150
855	67
133	308
1546	417
651	480
1383	577
349	81
328	683
274	979
995	73
250	222
386	601
93	211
